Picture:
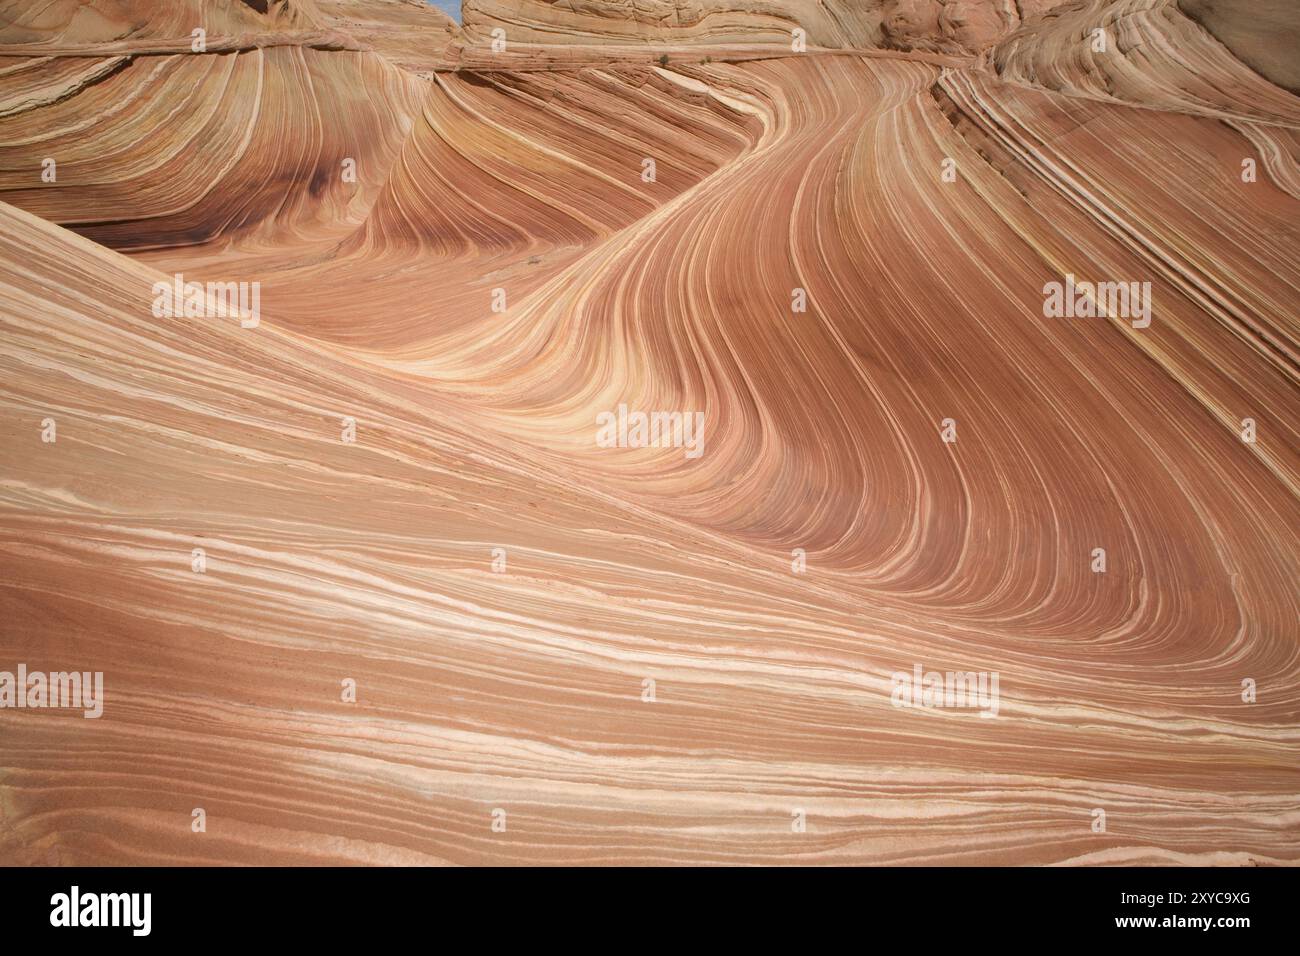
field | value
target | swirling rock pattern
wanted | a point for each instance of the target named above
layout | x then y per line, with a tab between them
500	588
952	26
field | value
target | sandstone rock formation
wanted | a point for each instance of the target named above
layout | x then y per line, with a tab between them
391	483
950	26
1264	34
104	21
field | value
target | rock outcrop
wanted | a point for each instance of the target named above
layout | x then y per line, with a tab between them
364	572
947	26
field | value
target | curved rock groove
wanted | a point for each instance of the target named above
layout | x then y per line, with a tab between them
639	654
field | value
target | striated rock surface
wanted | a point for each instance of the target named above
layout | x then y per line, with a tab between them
361	578
410	33
835	23
104	21
948	26
1262	33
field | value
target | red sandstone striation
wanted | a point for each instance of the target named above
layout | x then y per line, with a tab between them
840	258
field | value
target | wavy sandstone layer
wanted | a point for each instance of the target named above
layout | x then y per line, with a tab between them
500	588
106	21
950	26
